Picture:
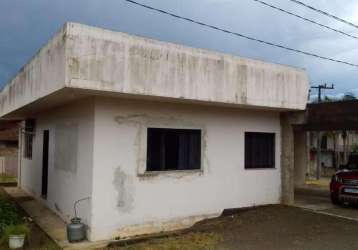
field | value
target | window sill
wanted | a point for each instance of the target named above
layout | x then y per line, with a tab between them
173	173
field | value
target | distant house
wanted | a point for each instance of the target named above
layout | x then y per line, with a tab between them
9	147
335	149
158	135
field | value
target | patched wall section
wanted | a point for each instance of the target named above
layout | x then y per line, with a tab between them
66	147
143	121
123	183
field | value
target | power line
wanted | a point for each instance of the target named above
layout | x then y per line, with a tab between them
324	13
241	35
305	19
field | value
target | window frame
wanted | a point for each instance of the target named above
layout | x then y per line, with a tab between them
155	172
274	149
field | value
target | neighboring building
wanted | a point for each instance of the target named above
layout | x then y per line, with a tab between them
335	149
158	135
336	123
9	148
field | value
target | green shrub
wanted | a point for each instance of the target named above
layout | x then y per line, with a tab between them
355	148
20	229
8	214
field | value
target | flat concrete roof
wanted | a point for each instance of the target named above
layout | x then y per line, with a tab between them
92	61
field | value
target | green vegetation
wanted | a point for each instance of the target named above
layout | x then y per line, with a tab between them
12	221
19	229
355	148
348	96
8	214
7	178
189	241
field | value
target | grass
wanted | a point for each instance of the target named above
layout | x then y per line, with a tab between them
7	178
189	241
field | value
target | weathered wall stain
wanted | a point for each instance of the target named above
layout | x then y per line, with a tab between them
43	74
123	184
66	147
58	208
134	65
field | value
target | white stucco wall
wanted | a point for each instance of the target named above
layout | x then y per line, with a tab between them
126	201
70	158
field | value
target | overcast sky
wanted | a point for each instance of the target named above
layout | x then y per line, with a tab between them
26	25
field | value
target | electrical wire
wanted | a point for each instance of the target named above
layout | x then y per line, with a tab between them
305	19
241	35
324	13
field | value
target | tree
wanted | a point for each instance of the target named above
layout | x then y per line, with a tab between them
349	96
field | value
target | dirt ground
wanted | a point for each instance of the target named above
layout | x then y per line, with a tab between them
272	227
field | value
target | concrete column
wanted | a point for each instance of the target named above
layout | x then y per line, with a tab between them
287	160
288	119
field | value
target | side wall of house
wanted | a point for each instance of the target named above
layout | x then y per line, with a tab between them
129	201
70	158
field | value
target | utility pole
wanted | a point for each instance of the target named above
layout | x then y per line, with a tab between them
320	87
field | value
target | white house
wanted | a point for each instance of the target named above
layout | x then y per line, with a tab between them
158	135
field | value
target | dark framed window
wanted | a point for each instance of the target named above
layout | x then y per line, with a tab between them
28	137
173	149
259	150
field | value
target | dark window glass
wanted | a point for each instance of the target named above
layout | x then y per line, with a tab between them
259	150
173	149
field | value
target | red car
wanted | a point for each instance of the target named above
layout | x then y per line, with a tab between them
344	184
